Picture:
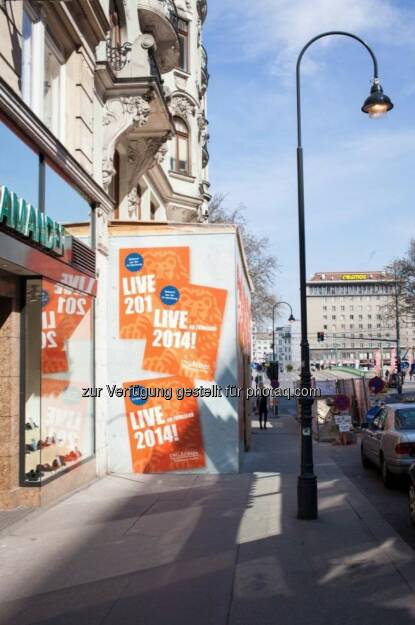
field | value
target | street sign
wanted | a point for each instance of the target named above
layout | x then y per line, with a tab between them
404	365
342	402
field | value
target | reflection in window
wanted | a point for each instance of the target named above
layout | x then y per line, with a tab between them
22	179
63	202
59	422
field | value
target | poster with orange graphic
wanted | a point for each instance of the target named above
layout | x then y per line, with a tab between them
164	431
63	309
186	329
143	273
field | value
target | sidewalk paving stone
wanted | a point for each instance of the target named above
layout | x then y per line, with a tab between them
210	550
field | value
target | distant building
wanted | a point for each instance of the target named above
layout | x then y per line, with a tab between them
261	344
287	345
351	310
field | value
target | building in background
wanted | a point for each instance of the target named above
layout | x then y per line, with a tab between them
353	311
102	118
261	344
287	345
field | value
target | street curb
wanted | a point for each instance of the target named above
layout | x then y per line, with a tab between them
394	548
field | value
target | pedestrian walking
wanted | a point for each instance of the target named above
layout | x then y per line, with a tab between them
263	410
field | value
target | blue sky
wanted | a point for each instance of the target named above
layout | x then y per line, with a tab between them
359	173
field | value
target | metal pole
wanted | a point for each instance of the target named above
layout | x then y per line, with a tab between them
273	333
398	347
307	505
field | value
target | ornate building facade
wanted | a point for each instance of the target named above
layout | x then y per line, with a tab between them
102	118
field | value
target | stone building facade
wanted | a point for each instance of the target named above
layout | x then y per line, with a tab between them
102	117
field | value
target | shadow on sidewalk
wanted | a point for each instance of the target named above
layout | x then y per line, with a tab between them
199	550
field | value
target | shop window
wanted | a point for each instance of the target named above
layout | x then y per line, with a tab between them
180	163
19	166
62	201
183	32
58	421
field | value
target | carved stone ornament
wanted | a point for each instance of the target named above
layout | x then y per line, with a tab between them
120	116
161	154
143	154
132	203
182	106
203	123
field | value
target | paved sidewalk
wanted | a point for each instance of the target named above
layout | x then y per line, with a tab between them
209	550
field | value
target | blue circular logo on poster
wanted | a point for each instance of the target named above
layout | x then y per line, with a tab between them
44	298
170	295
138	395
134	262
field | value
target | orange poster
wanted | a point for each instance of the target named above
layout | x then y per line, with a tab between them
185	334
143	273
164	430
63	309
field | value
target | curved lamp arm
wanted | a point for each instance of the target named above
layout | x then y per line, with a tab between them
328	34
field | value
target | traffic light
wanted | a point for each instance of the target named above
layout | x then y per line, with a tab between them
320	336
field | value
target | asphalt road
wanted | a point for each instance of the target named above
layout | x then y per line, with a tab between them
392	504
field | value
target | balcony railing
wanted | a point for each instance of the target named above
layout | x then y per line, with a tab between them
205	72
171	12
117	56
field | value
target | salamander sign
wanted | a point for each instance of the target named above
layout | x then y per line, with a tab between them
22	217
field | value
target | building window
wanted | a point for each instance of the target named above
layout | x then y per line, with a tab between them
114	189
180	163
115	25
351	316
52	88
183	32
153	211
27	59
42	74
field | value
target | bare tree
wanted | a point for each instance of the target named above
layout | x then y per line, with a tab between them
262	263
403	271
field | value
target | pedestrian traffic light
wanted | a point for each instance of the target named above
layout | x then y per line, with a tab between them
320	336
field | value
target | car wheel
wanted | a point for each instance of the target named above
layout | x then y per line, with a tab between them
412	503
365	461
387	476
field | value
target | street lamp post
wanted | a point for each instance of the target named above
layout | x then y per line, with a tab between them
376	105
398	340
290	318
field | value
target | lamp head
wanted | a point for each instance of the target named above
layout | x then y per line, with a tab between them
377	104
291	317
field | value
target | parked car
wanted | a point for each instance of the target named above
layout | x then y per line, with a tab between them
411	474
389	440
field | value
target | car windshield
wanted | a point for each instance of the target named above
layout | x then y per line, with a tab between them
405	419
